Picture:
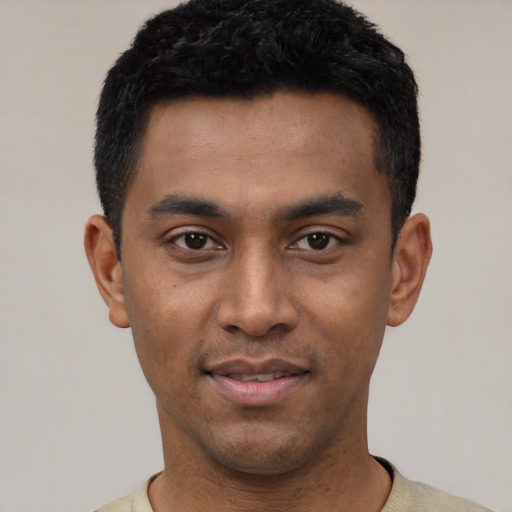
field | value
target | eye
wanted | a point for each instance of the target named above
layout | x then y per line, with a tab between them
317	242
195	241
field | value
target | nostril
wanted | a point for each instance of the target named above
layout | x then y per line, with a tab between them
257	308
232	329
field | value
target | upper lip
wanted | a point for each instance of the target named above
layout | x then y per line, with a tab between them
247	367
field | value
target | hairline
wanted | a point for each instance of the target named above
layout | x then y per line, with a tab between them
134	155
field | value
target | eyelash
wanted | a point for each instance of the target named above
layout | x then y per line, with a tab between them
207	238
326	236
329	239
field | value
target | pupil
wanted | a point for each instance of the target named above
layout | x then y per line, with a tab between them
195	240
318	241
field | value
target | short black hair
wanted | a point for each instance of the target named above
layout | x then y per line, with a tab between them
249	48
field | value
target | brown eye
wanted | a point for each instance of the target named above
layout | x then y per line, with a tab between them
318	241
195	241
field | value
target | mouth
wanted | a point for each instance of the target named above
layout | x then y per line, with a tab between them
260	377
256	384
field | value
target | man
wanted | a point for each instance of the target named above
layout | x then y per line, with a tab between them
257	163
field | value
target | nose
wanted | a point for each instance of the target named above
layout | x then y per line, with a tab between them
257	297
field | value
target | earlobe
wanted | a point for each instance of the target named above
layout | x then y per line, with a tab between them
106	268
410	261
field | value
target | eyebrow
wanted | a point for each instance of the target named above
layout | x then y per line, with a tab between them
175	204
336	204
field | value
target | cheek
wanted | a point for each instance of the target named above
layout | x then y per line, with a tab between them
351	299
162	323
350	314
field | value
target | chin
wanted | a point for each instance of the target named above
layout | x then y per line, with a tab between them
264	453
261	465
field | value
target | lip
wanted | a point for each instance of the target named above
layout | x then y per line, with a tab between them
227	379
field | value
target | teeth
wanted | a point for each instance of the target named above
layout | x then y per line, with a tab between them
248	378
264	377
260	377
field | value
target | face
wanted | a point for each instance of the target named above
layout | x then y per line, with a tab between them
257	274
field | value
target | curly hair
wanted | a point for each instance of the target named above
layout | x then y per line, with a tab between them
249	48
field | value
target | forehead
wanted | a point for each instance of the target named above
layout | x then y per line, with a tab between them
307	122
276	148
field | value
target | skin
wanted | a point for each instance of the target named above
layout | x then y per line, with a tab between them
227	255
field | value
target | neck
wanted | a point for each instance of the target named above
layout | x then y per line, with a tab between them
343	478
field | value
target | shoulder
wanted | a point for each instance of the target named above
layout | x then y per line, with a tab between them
122	505
138	502
407	495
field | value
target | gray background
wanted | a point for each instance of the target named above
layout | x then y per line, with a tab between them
77	421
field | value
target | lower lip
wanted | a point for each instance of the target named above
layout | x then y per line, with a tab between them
255	393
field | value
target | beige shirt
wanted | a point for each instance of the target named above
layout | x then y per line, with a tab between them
405	496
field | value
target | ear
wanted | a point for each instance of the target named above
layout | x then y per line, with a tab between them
410	261
101	253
